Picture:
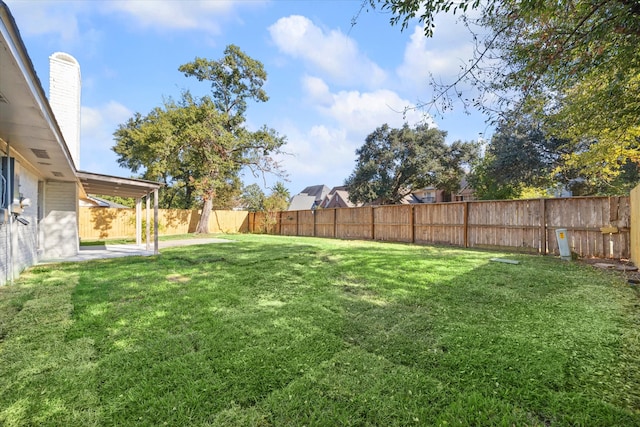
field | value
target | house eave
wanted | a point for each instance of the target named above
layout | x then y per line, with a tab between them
27	122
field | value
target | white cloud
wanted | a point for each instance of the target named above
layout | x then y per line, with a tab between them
362	112
327	148
96	121
318	153
96	134
60	18
317	90
441	57
48	17
329	52
170	14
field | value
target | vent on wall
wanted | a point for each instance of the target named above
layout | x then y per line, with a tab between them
3	99
58	174
41	154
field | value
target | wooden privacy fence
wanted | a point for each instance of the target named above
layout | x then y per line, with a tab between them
634	201
596	226
109	223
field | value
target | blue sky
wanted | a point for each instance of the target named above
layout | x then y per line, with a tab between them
330	83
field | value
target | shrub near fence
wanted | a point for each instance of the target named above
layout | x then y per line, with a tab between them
523	225
109	223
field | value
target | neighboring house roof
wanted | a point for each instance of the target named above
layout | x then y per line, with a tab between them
409	199
465	190
317	191
343	196
308	198
464	187
426	194
98	202
338	197
302	202
338	188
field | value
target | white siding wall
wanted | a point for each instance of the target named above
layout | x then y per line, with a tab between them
4	253
60	223
24	238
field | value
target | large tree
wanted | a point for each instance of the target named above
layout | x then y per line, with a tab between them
518	157
281	192
394	162
522	157
234	79
523	154
487	186
252	198
575	64
201	144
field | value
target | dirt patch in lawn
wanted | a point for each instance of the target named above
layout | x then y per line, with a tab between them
619	266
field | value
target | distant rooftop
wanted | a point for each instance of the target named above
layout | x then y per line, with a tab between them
308	198
301	202
317	191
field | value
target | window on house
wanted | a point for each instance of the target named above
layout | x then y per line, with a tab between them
429	197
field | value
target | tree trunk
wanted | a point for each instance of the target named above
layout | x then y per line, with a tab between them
203	224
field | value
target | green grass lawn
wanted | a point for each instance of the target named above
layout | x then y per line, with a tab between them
294	331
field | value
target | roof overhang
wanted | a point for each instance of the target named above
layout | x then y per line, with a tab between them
107	185
27	122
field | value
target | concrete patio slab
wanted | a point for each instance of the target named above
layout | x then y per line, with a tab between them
87	253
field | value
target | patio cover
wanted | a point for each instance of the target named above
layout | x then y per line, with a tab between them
107	185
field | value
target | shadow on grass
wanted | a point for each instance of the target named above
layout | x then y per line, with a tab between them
45	379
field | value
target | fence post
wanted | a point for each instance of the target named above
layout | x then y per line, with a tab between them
373	224
412	223
279	225
614	203
335	222
313	212
634	232
543	227
465	219
297	223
